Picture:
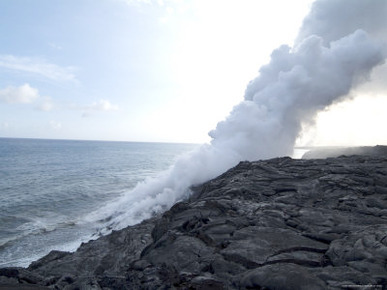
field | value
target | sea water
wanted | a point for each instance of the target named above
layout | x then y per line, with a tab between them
48	187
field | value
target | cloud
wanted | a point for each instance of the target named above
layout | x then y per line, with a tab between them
55	46
37	66
136	3
289	91
24	94
55	125
103	105
334	19
168	10
100	106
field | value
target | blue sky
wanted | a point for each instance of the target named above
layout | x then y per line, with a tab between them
131	70
142	70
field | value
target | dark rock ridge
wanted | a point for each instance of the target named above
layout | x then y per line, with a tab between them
325	152
273	224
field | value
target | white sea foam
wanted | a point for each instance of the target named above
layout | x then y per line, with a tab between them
48	192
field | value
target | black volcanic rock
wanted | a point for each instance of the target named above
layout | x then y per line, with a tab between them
274	224
325	152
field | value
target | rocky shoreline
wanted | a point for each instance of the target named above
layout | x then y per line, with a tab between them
272	224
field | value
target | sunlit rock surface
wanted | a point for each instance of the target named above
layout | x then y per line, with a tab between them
274	224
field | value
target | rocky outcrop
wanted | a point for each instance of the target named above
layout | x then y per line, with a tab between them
274	224
325	152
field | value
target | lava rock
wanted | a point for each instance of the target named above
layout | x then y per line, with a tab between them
272	224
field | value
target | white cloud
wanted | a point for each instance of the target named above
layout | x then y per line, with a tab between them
37	66
55	46
102	105
55	125
19	95
137	2
25	94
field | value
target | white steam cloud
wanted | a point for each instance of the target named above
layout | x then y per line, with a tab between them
291	89
323	66
332	19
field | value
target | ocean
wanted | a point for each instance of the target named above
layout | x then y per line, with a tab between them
51	190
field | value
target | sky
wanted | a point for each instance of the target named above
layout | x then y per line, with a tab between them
152	70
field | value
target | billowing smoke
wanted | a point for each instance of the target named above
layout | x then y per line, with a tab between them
291	89
332	19
333	54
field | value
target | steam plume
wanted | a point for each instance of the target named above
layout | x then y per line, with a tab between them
332	19
326	62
